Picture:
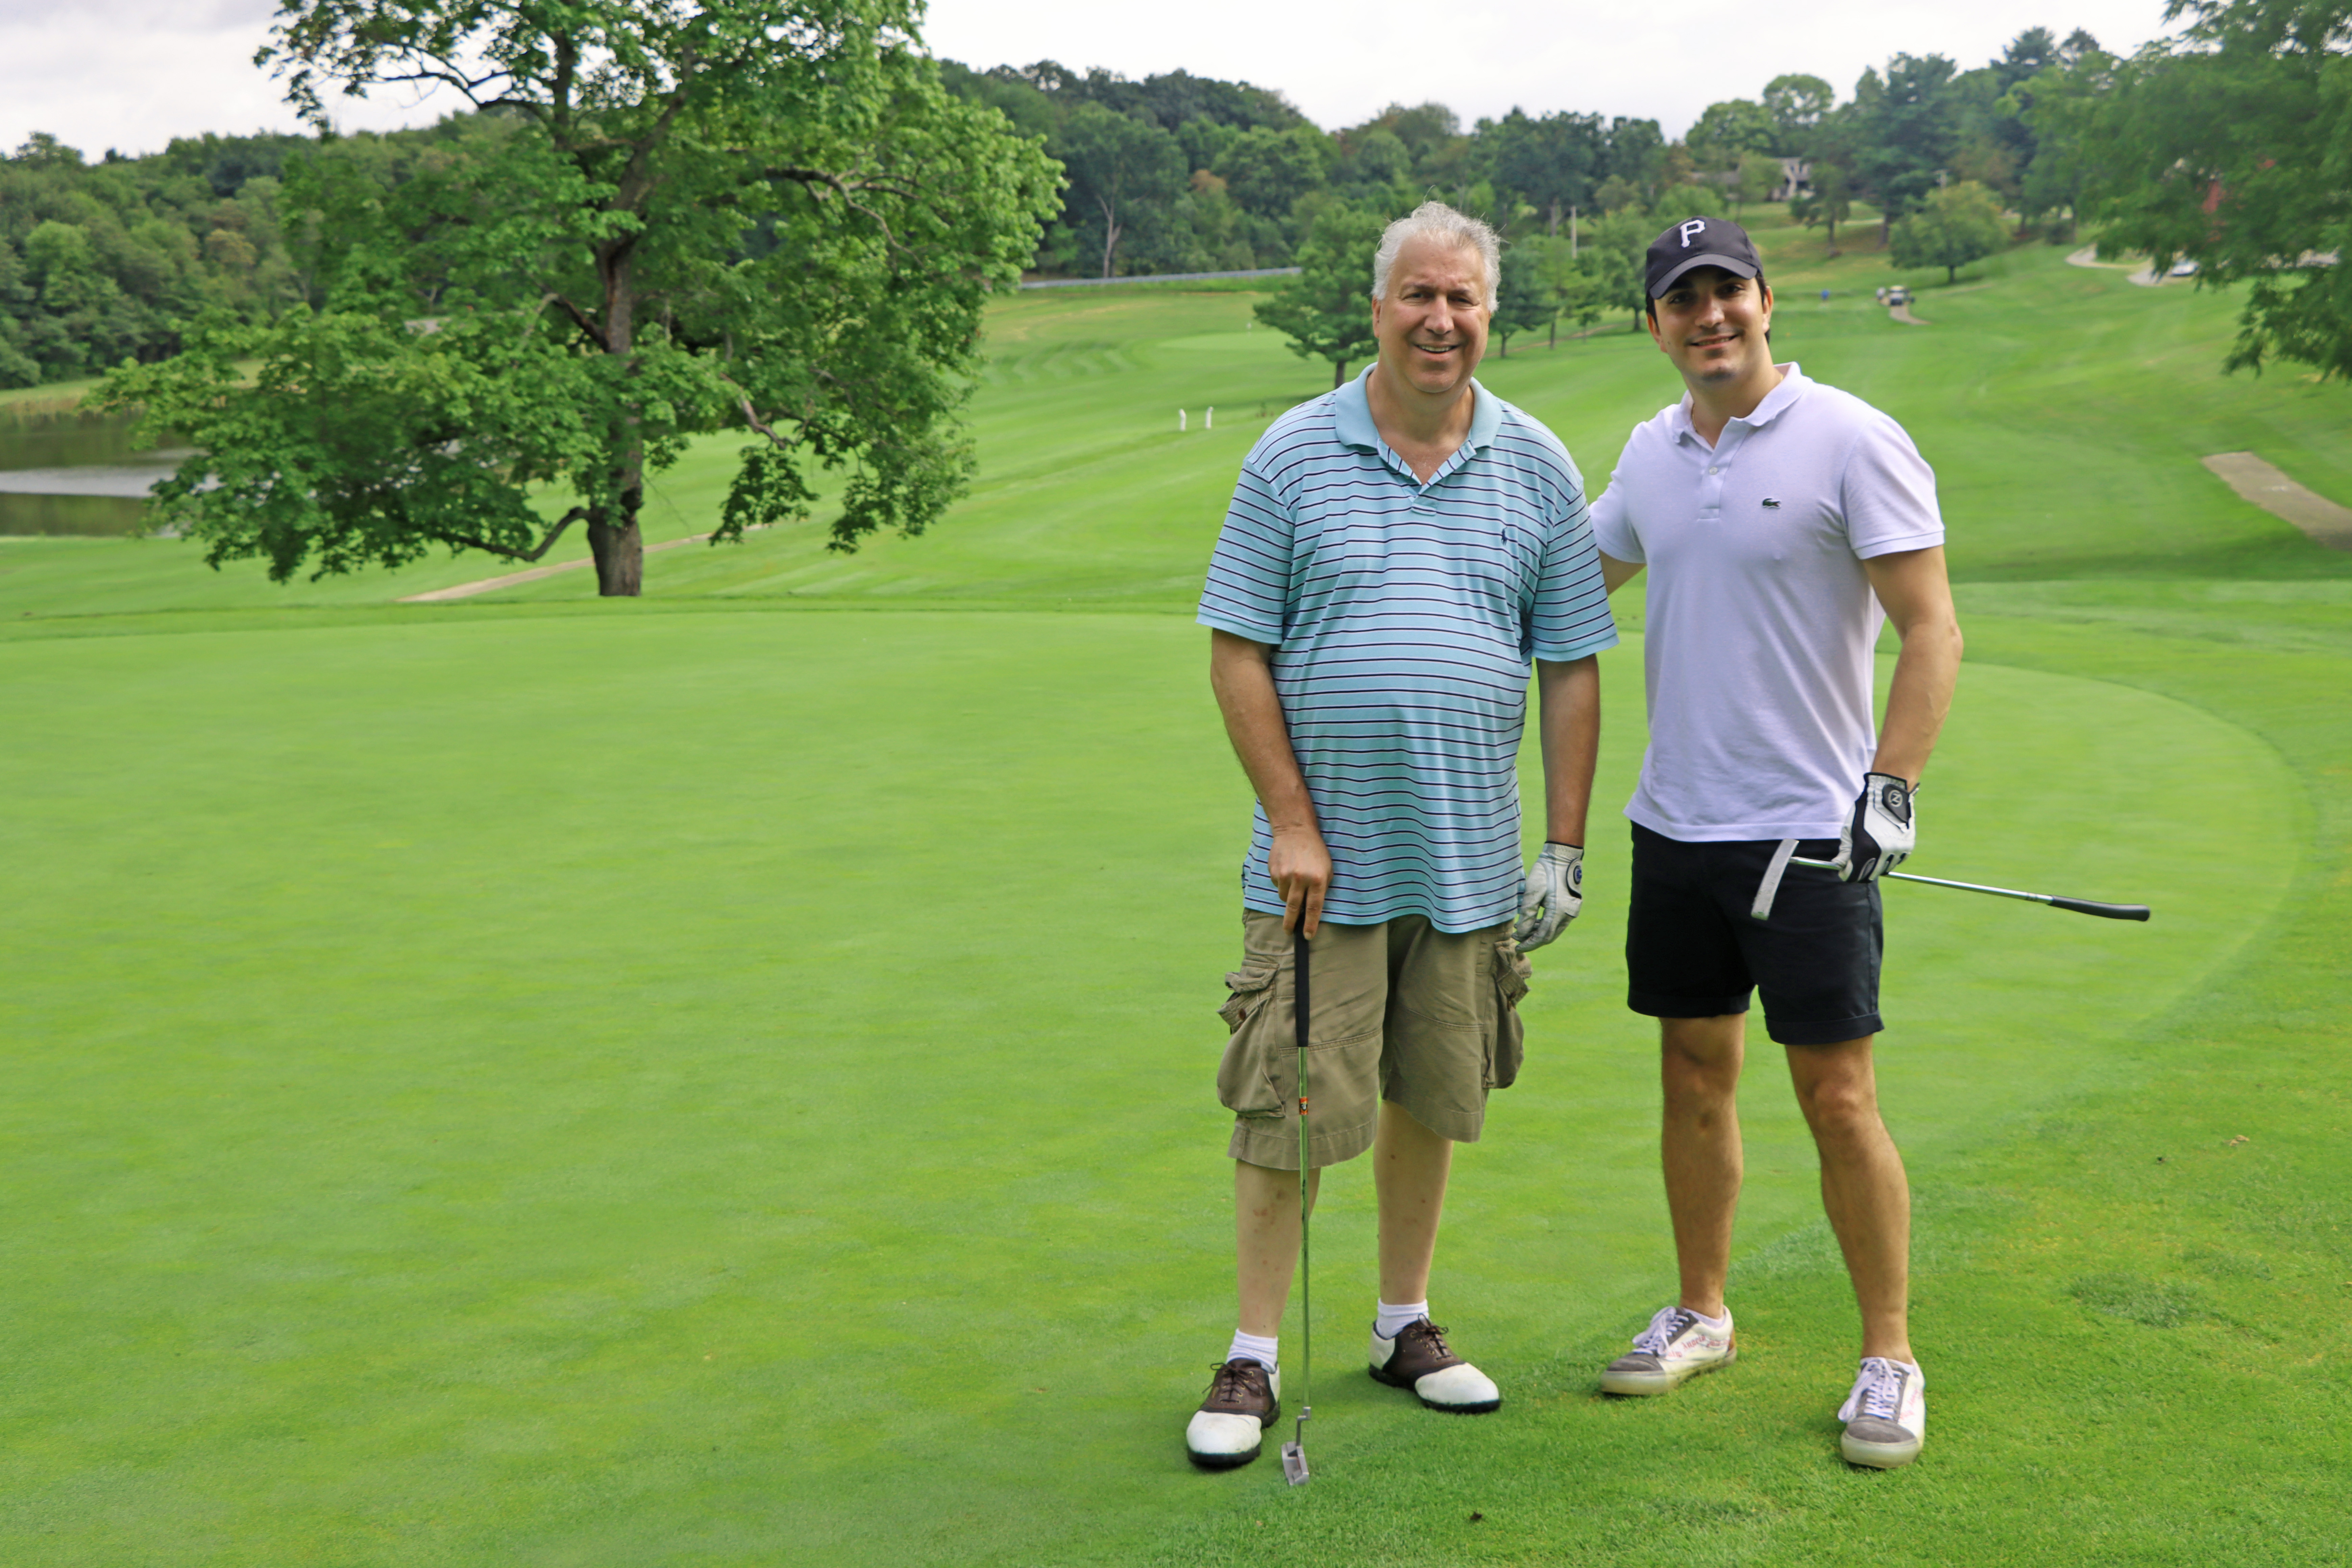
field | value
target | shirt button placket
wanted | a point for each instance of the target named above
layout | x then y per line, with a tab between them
1710	489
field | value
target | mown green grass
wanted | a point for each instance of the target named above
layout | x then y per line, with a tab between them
724	1079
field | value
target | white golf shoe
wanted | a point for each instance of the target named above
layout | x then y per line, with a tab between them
1677	1346
1418	1359
1885	1416
1243	1399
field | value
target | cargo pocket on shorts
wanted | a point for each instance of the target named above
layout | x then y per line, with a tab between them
1508	1046
1245	1085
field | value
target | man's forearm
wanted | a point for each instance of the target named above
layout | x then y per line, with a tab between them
1926	673
1569	694
1917	597
1244	684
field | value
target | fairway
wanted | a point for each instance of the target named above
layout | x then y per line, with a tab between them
726	1079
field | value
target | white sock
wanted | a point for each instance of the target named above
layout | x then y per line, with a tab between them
1392	1319
1714	1325
1249	1347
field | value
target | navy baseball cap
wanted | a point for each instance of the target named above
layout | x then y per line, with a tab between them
1699	242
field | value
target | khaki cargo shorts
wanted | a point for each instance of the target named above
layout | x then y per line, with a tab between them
1401	1010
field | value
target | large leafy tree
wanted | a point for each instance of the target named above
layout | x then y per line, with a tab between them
2057	106
1523	300
1550	163
1828	203
668	217
1126	175
1798	105
1728	129
1327	310
2233	147
1955	225
1904	131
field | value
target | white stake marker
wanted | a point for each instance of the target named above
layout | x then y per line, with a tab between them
1179	421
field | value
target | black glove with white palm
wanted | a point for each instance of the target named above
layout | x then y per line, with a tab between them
1555	892
1880	832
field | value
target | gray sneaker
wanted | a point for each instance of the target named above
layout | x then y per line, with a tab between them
1885	1416
1675	1347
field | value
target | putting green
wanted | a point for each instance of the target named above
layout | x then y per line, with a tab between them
638	1087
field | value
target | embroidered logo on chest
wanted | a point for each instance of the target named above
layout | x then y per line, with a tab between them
1770	504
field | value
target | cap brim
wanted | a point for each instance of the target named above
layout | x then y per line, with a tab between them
1730	264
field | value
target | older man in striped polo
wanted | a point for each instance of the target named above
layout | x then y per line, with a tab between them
1396	554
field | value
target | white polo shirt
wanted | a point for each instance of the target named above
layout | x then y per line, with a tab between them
1761	621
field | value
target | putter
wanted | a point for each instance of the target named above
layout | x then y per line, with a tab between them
1294	1453
1786	855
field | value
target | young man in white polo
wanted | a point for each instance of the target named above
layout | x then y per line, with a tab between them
1396	554
1780	521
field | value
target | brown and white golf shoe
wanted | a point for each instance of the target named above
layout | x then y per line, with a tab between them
1419	1359
1243	1399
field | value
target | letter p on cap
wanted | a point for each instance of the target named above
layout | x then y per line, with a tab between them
1692	230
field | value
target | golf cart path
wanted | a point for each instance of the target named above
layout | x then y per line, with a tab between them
2261	483
1903	314
2089	256
489	585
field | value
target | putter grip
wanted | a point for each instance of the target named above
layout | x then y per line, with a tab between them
2105	911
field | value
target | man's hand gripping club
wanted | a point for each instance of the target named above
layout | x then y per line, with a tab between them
1552	896
1880	832
1299	865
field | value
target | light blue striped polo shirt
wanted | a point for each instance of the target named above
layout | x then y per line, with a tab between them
1403	616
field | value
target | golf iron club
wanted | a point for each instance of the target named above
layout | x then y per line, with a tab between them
1786	855
1294	1453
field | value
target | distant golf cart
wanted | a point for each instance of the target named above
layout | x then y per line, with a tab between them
1898	295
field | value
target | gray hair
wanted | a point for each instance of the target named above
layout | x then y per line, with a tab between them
1438	221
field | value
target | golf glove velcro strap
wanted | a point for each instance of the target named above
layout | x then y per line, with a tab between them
1555	891
1879	834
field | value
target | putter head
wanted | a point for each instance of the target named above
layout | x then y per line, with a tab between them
1293	1464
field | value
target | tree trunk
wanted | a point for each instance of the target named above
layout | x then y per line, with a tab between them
1552	230
615	545
620	555
1111	233
1339	373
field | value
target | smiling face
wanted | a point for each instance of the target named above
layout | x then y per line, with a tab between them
1711	323
1432	323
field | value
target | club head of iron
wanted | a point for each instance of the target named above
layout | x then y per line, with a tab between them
1293	1464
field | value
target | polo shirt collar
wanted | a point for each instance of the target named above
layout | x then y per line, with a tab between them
1794	383
1352	418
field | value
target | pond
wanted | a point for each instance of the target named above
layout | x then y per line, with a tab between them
64	471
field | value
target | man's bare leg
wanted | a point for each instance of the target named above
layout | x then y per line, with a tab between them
1699	1062
1863	1187
1409	1164
1265	1240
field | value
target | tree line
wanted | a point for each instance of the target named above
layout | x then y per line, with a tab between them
1178	173
782	218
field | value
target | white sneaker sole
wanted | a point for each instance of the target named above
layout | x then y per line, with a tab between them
1665	1381
1879	1456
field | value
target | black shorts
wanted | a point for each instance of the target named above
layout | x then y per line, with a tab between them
1692	949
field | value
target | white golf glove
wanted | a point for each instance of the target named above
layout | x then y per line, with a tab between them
1556	888
1880	833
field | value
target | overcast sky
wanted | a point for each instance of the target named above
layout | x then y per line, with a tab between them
132	74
